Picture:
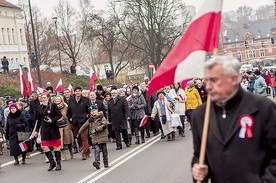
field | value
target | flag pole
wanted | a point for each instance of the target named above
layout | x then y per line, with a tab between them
205	127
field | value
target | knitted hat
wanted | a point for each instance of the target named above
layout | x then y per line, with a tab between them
13	105
257	72
191	83
93	107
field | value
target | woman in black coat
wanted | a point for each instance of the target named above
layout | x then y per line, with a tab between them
15	123
47	116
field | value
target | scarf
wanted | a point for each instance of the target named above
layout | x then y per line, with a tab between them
163	111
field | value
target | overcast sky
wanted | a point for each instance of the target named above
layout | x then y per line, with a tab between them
46	6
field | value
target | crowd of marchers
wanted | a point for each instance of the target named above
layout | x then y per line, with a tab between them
104	115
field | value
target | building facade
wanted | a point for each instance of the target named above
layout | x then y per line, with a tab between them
251	43
13	43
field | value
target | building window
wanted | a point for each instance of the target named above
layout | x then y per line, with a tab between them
106	68
3	36
262	53
8	33
246	44
250	54
262	44
12	60
16	60
21	36
13	37
24	59
272	40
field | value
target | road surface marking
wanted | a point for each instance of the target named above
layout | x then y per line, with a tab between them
155	139
12	162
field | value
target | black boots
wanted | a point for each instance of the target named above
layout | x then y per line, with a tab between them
58	160
51	160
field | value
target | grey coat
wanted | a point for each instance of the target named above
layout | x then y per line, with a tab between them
137	106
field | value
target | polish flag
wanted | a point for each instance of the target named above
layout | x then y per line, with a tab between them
93	78
144	121
186	59
31	84
41	90
59	87
23	86
23	146
71	89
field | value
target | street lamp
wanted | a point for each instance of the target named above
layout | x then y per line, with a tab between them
35	49
55	21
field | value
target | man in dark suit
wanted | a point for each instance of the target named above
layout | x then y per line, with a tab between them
241	144
118	113
78	114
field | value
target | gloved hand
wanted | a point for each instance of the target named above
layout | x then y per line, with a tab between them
93	131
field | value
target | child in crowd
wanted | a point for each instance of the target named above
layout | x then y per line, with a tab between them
97	125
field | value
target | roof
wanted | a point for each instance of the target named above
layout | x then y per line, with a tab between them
259	29
6	4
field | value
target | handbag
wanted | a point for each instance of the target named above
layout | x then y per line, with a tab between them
22	136
175	119
62	122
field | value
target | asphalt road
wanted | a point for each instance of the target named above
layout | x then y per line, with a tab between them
155	161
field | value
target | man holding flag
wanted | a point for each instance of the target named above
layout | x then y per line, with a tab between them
241	143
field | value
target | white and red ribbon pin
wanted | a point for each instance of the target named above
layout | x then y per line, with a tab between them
246	123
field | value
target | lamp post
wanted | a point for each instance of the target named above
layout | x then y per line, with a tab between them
35	49
55	21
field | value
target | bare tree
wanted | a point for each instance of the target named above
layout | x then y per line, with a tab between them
71	30
245	14
265	12
229	16
151	26
43	32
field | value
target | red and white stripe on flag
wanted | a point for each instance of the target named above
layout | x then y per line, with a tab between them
59	87
23	86
71	89
31	84
144	121
181	96
41	90
186	59
23	146
92	79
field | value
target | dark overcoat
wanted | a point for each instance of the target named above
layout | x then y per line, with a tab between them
231	158
49	131
118	113
15	123
78	111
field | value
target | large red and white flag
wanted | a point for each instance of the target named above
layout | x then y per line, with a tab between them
23	86
31	84
186	59
59	87
93	78
71	89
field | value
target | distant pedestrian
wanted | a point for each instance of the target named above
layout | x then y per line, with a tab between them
5	64
260	84
73	68
49	88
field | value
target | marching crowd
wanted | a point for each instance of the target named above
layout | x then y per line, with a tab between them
57	124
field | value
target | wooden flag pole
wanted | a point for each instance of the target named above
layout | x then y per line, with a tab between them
205	127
